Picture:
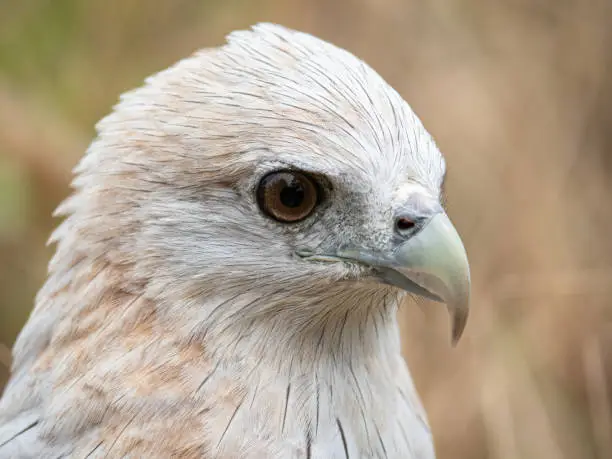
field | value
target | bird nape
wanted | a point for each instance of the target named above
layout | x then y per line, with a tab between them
227	274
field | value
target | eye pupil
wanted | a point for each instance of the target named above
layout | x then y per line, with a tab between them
292	195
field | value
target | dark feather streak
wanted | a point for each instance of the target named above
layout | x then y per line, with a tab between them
308	445
120	433
229	423
208	376
286	406
94	449
382	443
343	437
22	431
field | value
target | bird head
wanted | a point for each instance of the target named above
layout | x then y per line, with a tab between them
277	163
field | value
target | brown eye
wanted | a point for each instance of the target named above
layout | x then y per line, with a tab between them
287	196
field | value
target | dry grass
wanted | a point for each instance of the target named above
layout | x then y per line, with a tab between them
518	95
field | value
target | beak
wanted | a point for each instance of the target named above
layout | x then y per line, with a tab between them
432	263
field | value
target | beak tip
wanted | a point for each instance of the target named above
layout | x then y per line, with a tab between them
459	321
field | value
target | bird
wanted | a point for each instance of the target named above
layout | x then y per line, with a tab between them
229	266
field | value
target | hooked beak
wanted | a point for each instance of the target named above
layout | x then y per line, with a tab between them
432	263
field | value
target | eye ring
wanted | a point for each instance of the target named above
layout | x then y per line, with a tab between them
288	196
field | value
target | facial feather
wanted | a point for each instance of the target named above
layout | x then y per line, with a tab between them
167	187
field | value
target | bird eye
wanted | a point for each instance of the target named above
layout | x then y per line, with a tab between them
287	196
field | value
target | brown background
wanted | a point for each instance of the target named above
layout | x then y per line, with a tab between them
518	95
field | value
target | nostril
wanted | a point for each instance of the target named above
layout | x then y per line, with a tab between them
404	224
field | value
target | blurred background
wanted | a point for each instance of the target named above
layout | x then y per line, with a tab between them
518	95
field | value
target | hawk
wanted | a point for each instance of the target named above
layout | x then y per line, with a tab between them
228	271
